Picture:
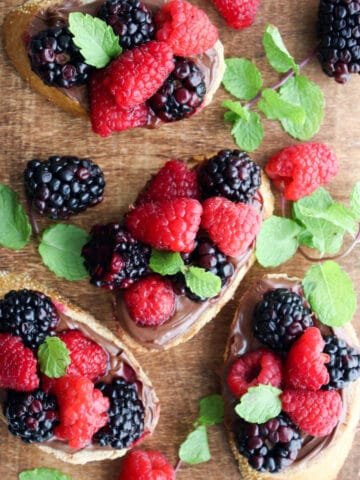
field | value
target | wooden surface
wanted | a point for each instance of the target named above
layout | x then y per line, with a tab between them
30	127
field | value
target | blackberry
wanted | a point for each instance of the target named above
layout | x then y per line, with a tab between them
131	20
339	35
280	319
31	416
344	364
114	258
57	60
181	94
126	415
269	446
230	174
29	315
63	186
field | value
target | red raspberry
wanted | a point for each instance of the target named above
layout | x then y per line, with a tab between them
173	180
253	368
17	365
316	413
142	465
298	170
238	13
82	410
150	301
233	227
185	28
108	117
169	225
304	366
137	74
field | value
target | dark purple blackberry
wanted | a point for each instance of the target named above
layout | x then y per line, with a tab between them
126	415
230	174
57	60
339	35
269	446
280	319
31	416
344	364
63	186
181	94
131	20
29	315
114	258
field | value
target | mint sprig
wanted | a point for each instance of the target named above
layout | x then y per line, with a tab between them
53	357
259	404
43	474
15	229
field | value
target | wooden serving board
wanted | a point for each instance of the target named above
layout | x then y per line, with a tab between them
30	128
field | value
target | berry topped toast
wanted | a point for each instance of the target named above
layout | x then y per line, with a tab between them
66	383
278	349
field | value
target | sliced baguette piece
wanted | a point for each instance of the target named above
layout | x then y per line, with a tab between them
91	327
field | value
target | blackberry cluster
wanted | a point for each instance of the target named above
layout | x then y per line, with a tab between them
280	319
131	20
344	364
63	186
31	416
339	34
57	60
181	94
114	258
126	415
29	315
269	446
230	174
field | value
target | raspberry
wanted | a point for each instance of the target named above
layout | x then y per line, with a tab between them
238	13
17	365
253	368
137	74
146	465
298	170
316	413
168	225
185	28
233	227
82	410
304	366
150	301
344	363
173	180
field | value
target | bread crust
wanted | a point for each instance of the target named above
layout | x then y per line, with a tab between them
10	281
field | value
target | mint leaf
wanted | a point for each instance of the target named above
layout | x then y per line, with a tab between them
276	52
330	293
15	229
97	41
60	250
202	283
166	263
242	78
259	404
275	108
195	449
211	410
299	90
355	201
340	216
43	474
277	241
53	357
247	129
234	107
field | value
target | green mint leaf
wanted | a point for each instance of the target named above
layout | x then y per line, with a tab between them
275	108
259	404
247	129
276	52
202	283
299	90
277	241
195	449
330	293
242	78
97	41
235	108
15	229
211	410
43	474
166	263
60	250
53	357
340	216
355	201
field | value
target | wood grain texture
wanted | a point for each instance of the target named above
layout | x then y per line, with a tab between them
30	127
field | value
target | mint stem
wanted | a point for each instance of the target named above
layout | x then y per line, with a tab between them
33	222
178	466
